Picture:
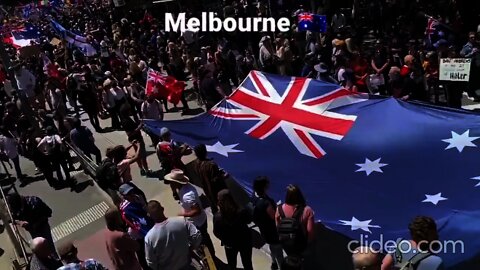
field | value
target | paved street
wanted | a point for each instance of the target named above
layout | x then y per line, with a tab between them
78	213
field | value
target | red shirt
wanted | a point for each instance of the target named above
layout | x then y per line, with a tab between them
404	71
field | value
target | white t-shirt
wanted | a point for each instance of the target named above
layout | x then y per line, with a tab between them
48	143
152	110
340	75
188	198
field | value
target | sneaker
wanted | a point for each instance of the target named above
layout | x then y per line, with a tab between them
143	172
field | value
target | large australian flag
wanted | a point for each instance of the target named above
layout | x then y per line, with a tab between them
367	165
312	22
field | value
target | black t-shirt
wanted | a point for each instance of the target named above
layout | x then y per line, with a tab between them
265	223
130	126
381	59
233	233
208	87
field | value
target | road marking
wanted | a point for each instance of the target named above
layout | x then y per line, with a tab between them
79	221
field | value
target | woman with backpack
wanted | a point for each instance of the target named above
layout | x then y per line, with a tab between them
230	225
295	225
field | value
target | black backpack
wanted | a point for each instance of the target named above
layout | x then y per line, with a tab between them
291	232
71	83
107	175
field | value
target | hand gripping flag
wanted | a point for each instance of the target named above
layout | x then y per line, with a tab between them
312	22
366	164
162	86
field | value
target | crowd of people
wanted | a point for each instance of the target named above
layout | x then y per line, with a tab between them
41	117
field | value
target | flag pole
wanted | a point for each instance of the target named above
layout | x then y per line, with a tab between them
65	47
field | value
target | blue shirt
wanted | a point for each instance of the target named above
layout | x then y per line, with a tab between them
432	262
89	264
81	138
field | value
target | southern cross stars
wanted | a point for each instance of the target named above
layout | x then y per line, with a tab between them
460	141
476	179
223	150
356	224
434	198
371	166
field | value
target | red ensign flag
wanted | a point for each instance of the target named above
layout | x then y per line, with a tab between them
162	86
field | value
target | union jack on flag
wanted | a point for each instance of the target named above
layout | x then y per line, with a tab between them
295	108
305	17
431	27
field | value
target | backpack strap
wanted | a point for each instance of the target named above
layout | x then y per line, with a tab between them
419	257
297	215
280	211
398	253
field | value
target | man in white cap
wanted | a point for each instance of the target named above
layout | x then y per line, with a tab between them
42	257
191	204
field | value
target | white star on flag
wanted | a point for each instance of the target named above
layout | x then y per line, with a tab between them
460	141
477	179
434	198
356	224
143	221
371	166
223	150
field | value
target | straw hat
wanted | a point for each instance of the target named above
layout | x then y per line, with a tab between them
321	68
177	176
338	43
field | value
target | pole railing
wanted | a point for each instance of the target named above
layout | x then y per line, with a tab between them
9	224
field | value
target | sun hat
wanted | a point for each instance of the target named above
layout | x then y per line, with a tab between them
177	176
338	42
321	68
264	38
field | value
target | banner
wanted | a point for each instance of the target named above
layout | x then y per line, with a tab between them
74	40
455	69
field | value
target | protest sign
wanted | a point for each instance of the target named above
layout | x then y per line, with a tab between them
455	69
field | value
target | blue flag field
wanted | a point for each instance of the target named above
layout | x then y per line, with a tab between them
366	164
312	22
